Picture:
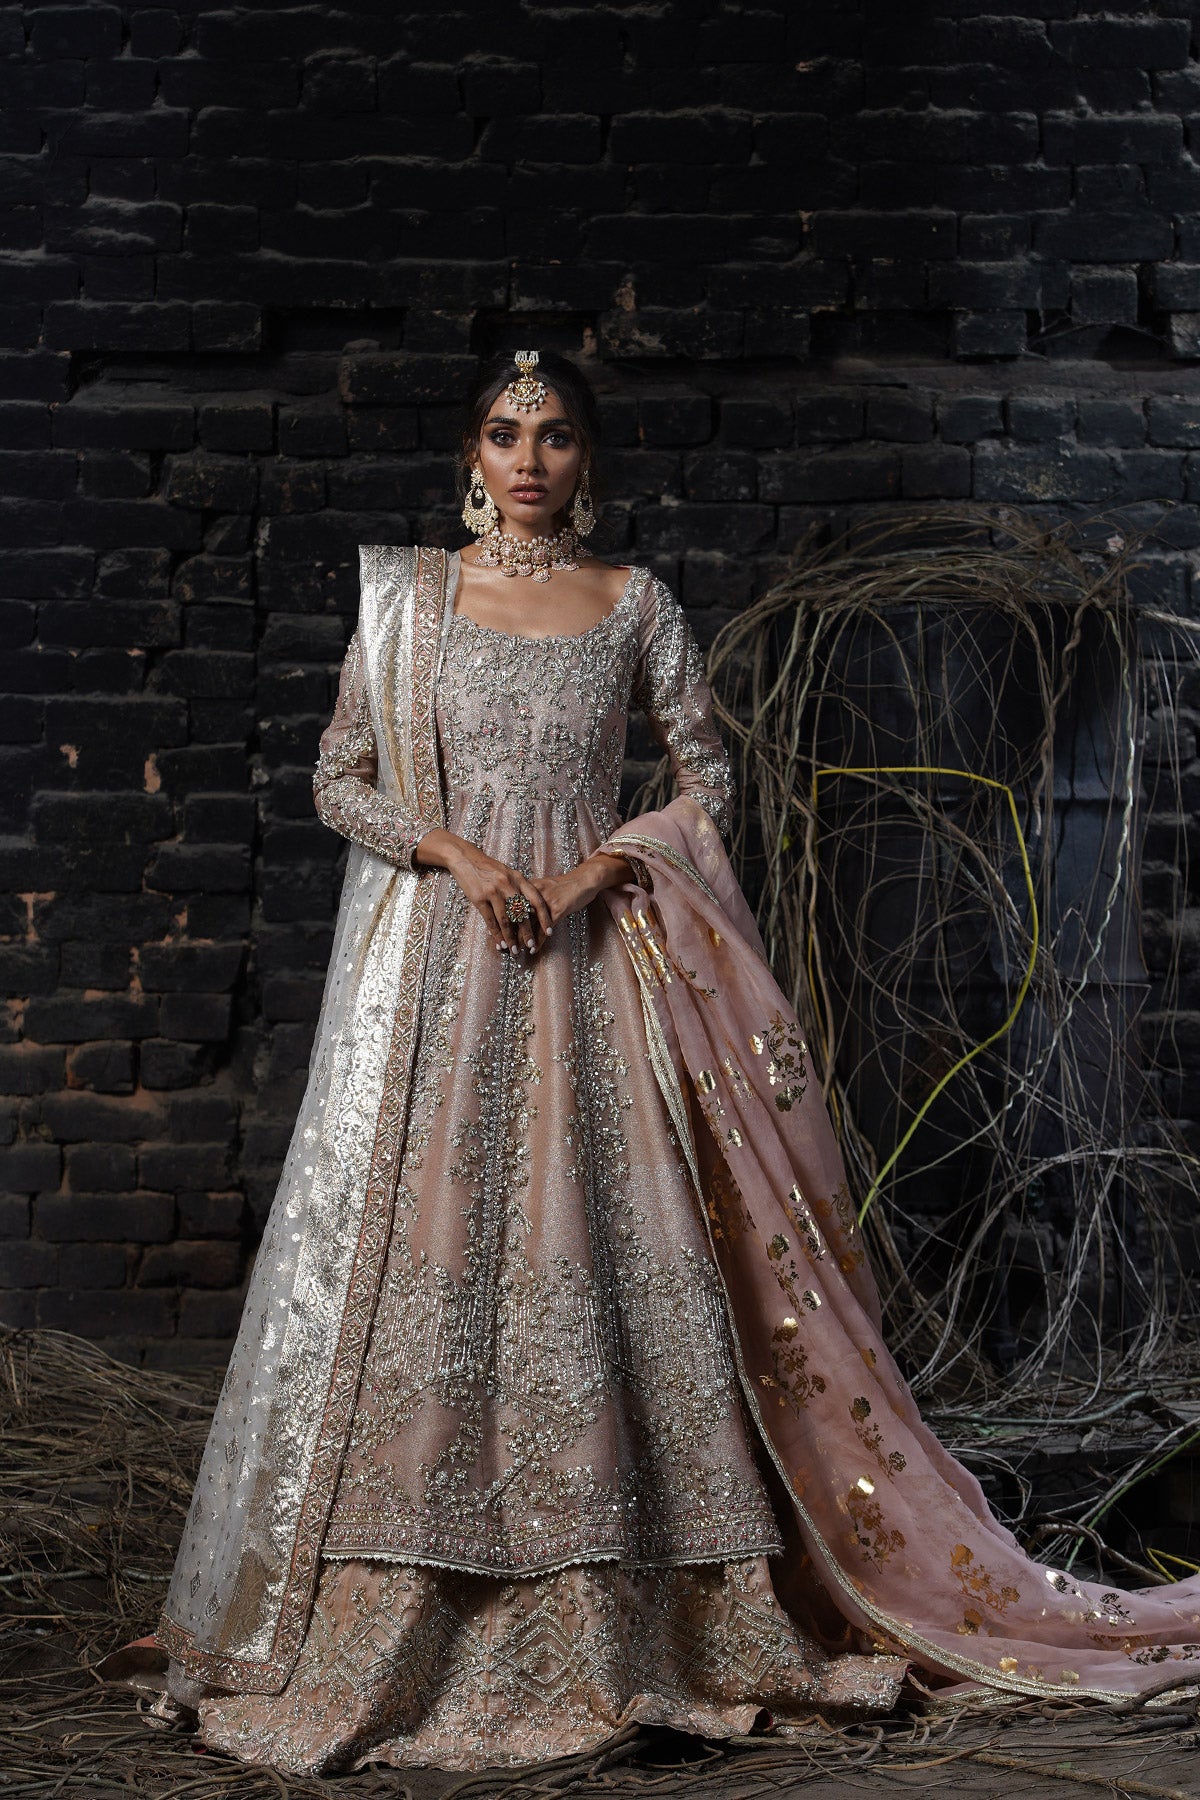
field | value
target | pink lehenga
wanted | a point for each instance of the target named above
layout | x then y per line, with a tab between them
559	1400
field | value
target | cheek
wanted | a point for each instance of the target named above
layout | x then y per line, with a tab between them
563	465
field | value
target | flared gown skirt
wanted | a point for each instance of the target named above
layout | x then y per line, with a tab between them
552	1517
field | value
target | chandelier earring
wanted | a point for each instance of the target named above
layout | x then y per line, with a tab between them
583	513
479	512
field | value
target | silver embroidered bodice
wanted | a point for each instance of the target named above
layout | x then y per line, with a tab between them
537	719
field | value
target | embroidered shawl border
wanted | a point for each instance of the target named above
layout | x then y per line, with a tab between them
227	1667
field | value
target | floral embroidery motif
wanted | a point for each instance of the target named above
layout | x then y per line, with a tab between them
785	1051
797	1211
724	1204
979	1584
870	1532
893	1462
791	1381
672	689
1160	1653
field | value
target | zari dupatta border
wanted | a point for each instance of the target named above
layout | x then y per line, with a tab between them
246	1638
687	1090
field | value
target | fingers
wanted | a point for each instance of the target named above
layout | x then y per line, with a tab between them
542	920
502	926
524	935
500	886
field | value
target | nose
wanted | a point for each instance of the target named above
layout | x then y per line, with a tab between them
529	462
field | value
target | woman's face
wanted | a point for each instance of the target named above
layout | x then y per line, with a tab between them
530	463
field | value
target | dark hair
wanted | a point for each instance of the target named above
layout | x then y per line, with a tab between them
559	373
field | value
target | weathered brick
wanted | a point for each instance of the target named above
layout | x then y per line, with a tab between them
207	1264
106	1218
211	1215
66	1019
78	32
172	1166
190	968
196	1018
78	1117
209	1315
106	1312
101	1168
25	1068
29	1265
676	418
173	1065
94	1265
28	1166
762	424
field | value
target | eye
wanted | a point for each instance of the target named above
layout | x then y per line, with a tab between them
499	434
557	437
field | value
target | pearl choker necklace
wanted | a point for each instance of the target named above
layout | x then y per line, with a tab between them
528	556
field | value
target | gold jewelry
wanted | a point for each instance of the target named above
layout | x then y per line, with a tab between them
583	513
479	512
516	908
536	556
527	392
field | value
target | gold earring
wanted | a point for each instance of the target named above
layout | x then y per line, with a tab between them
583	515
479	511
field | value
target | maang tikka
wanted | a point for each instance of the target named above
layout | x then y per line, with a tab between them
528	391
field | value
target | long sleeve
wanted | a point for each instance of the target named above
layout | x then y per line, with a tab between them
344	790
670	687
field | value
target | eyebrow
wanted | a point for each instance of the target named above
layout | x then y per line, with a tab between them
502	419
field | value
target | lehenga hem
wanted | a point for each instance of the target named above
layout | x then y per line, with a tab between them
678	1560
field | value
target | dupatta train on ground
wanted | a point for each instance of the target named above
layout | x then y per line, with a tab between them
887	1525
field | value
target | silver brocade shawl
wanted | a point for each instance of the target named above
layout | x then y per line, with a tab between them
246	1570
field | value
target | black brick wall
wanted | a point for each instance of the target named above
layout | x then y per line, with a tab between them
823	254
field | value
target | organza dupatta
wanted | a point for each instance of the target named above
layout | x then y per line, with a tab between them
899	1532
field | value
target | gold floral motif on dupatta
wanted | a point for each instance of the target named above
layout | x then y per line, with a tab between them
877	1542
791	1382
785	1051
891	1462
979	1584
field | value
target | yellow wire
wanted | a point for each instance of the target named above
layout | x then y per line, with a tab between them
986	781
1159	1557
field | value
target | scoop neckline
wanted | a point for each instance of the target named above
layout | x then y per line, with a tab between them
551	637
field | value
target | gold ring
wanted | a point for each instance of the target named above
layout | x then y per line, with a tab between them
516	908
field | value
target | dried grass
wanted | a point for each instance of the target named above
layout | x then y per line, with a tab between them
96	1478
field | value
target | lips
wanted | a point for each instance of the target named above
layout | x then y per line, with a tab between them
527	493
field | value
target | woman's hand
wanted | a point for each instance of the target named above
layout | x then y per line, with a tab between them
487	884
578	887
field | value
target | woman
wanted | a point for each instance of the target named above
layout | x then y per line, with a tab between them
559	1398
